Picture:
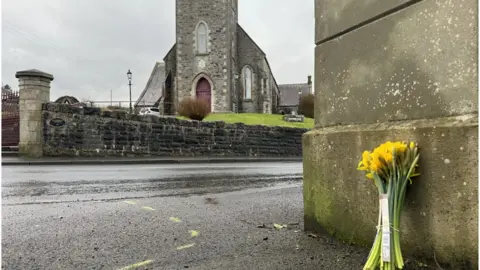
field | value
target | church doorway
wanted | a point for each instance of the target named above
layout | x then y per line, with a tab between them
204	91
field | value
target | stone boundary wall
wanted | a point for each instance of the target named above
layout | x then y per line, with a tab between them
71	131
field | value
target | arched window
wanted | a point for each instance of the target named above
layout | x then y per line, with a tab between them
202	38
247	82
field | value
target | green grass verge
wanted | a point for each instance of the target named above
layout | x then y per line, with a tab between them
257	119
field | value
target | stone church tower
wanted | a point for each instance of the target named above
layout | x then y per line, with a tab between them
207	67
214	59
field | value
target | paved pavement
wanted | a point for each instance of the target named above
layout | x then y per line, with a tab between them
216	216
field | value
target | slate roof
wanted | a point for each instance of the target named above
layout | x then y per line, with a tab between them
154	88
289	93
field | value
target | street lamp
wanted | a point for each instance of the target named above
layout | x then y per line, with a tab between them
129	76
299	99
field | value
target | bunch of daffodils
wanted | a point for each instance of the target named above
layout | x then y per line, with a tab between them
391	166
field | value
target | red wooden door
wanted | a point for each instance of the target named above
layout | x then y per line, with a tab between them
204	91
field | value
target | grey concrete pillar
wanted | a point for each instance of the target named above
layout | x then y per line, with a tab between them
410	75
34	87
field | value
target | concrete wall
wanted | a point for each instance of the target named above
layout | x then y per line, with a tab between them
87	132
396	70
418	62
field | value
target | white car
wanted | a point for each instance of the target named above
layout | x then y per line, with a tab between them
150	111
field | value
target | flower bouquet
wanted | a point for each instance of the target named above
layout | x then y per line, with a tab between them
391	166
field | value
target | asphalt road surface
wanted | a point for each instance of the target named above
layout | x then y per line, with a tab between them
208	216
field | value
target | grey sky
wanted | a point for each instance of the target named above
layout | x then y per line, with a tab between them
89	45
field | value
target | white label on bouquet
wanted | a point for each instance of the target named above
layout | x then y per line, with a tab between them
385	228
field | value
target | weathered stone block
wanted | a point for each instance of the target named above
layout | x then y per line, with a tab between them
31	115
32	105
33	149
441	207
34	94
29	83
420	62
333	16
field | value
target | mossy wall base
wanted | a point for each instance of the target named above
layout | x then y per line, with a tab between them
441	207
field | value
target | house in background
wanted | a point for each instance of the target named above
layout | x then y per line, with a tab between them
290	95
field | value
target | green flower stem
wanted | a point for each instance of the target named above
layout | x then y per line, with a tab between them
376	261
374	256
396	241
402	186
396	225
372	261
396	218
391	214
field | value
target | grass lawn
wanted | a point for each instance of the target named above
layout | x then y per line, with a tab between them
257	119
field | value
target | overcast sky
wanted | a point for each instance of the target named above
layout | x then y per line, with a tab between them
88	45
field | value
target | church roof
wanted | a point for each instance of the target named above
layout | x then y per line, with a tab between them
154	89
289	93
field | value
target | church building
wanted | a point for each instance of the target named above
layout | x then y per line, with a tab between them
215	59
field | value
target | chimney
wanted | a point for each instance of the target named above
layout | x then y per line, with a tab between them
309	81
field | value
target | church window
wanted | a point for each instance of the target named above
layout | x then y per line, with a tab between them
247	77
202	38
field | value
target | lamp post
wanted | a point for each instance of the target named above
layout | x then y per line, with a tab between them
299	99
129	76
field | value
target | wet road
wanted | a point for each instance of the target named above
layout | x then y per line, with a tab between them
205	216
29	184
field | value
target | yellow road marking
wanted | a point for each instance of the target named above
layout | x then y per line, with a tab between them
136	265
194	233
185	246
148	208
174	219
130	202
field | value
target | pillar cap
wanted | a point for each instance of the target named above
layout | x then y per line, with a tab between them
34	73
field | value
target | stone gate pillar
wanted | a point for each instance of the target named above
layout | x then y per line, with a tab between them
34	88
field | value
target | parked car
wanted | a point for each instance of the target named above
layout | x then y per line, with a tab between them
150	111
